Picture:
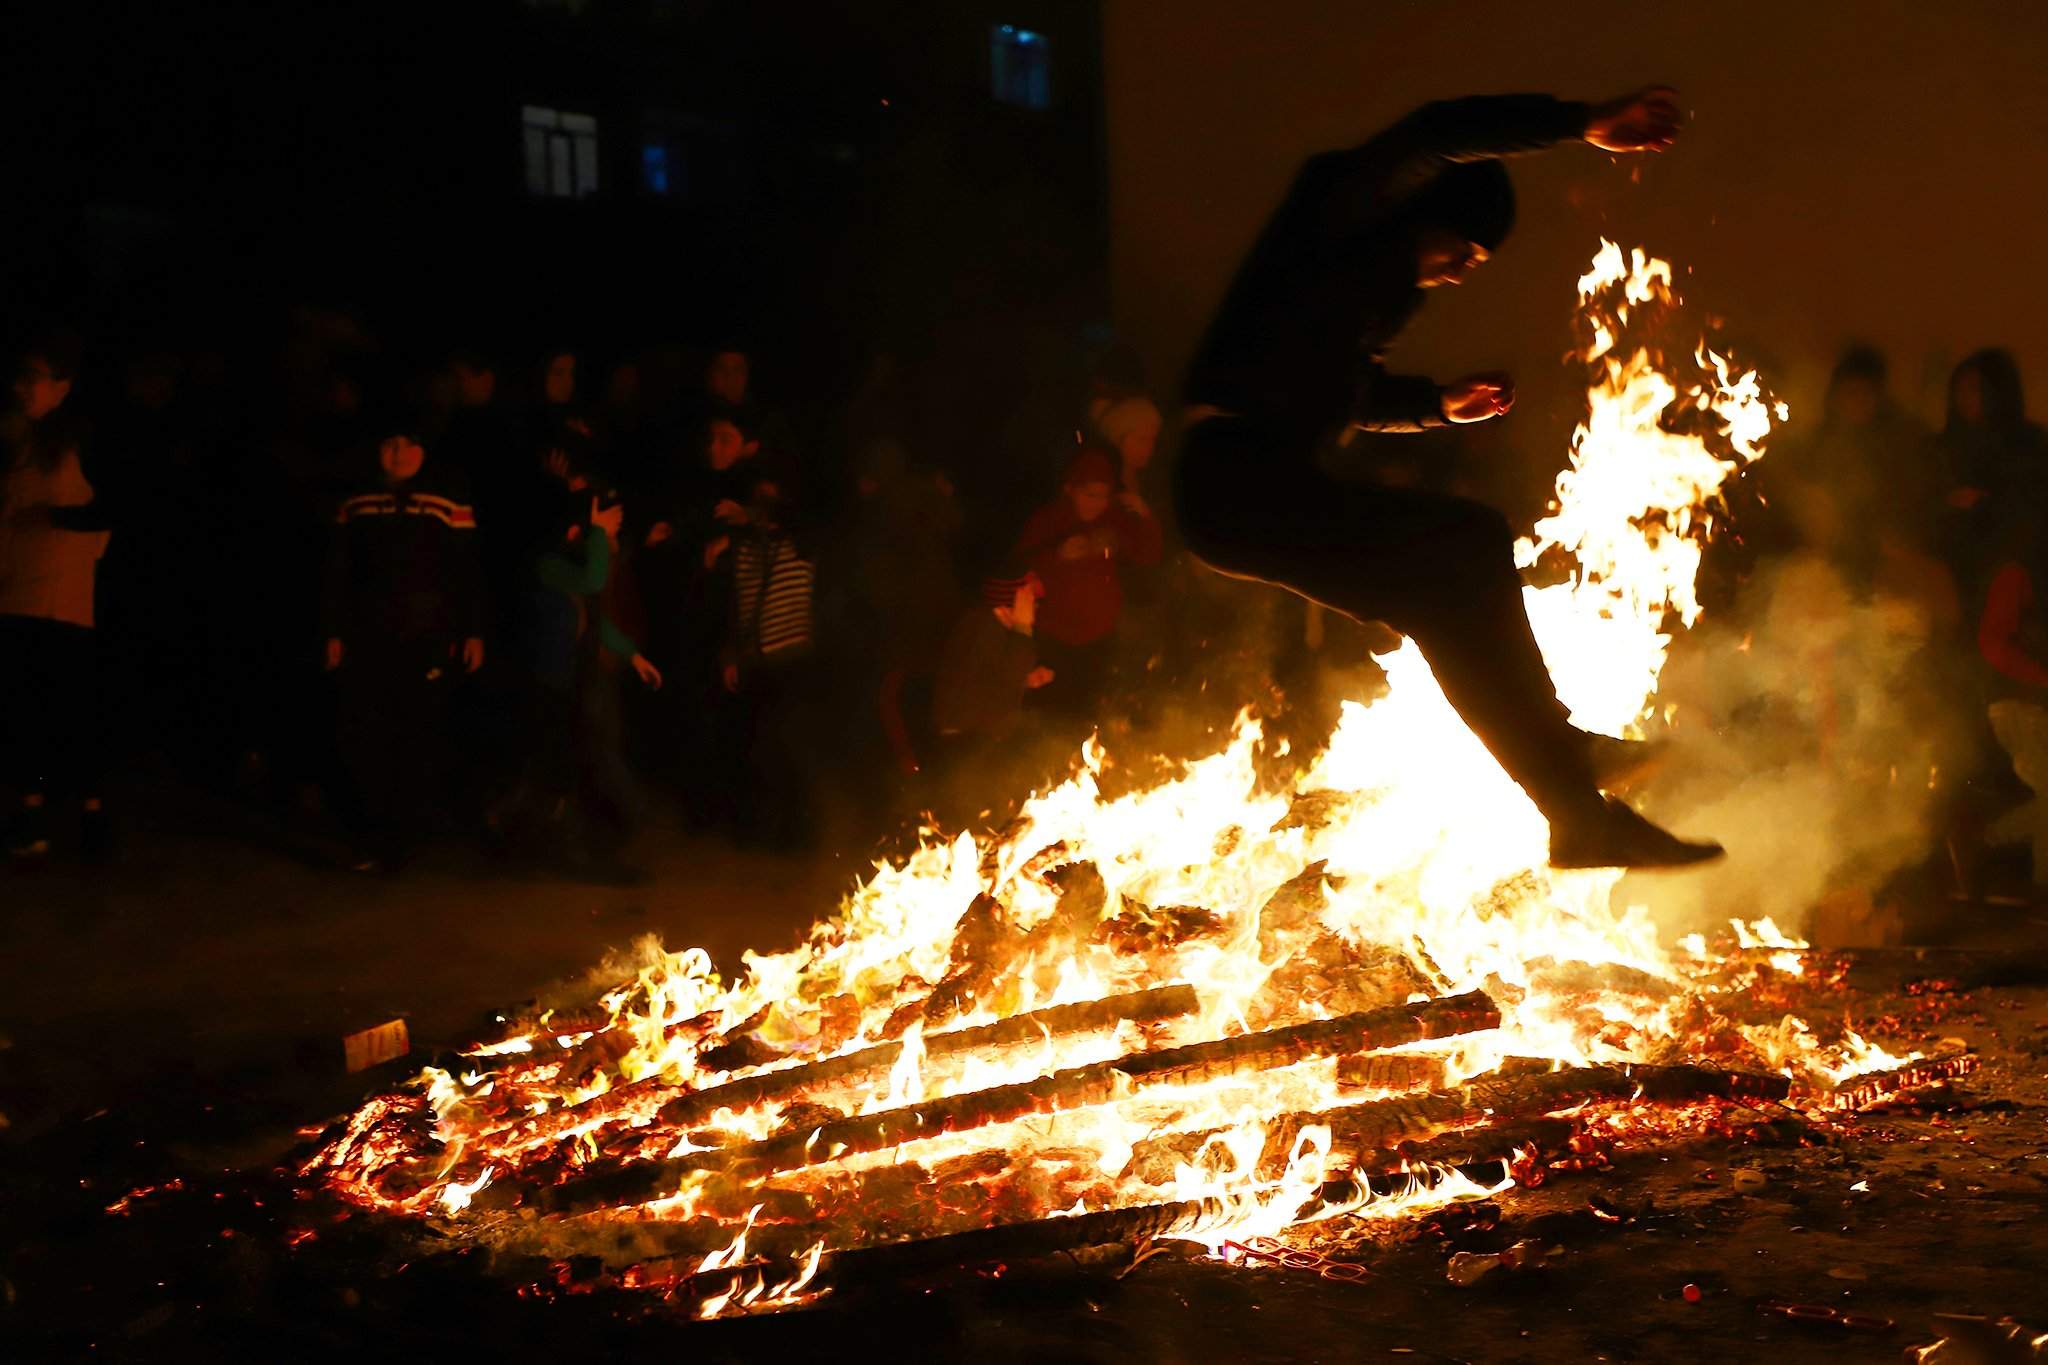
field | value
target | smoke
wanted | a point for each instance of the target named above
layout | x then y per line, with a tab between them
1809	733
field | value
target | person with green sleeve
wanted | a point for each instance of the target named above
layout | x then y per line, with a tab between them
572	647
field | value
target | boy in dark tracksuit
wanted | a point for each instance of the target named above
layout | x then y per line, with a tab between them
403	609
1295	352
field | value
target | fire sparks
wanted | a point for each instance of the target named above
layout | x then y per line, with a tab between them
1141	1005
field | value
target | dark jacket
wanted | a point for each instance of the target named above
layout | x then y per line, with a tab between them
980	685
2003	460
1300	336
403	567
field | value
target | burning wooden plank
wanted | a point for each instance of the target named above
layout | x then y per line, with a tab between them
639	1097
1359	1130
1074	1088
1859	1092
1139	1007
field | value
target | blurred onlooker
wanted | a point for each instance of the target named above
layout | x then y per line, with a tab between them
2012	636
729	391
902	548
687	580
1866	478
150	471
1078	545
479	435
51	539
768	665
620	422
576	759
560	430
990	661
1995	461
403	610
1123	414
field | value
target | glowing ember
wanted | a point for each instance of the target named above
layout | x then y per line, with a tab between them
1400	865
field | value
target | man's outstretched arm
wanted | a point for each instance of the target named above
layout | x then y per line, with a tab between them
1370	180
1395	402
1406	402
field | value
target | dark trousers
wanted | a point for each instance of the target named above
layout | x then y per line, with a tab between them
778	807
51	726
1438	569
604	780
392	731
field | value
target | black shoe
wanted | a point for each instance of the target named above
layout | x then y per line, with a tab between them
1615	836
28	835
1621	765
97	845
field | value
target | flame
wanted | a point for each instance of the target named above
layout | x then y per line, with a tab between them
1422	873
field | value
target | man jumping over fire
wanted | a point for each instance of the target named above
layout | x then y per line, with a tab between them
1294	354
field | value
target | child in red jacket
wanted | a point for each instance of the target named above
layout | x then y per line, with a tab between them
1078	546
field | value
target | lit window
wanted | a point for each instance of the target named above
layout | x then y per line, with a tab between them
1019	66
561	153
654	167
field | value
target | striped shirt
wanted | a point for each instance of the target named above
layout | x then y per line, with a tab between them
449	511
772	586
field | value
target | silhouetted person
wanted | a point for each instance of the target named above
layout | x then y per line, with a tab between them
2012	639
51	538
989	663
568	652
1296	351
687	579
1996	463
1122	414
1865	486
770	665
403	610
901	560
1079	546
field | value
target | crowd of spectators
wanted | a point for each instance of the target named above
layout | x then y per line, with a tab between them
1935	536
518	603
472	599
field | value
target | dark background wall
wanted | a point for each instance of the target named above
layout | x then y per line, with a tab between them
1870	169
841	175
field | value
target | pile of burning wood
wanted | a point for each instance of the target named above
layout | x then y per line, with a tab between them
1260	994
758	1176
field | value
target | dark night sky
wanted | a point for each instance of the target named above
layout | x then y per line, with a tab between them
1868	170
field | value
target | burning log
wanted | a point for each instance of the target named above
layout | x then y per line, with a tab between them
1141	1007
1006	1243
1391	1071
1859	1092
1079	1087
1358	1130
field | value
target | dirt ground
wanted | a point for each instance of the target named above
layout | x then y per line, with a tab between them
178	1020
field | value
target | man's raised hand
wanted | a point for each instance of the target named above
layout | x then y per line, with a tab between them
1646	121
1477	397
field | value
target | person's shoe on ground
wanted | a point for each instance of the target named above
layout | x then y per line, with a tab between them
1613	835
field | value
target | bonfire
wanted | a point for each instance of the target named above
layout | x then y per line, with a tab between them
1218	1008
